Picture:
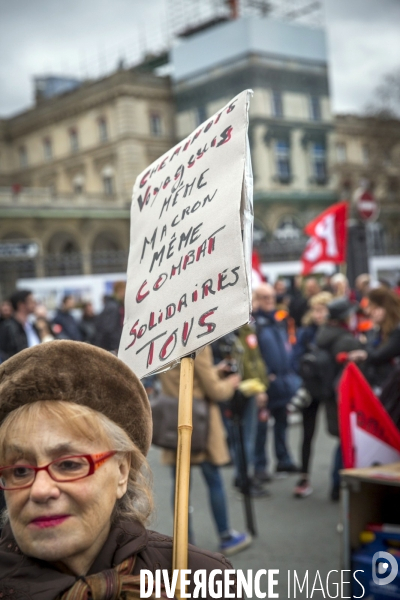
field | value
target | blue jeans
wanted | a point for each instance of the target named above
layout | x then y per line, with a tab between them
216	496
281	451
249	428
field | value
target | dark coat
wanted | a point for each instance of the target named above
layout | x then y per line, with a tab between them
277	354
380	362
36	580
88	328
109	325
69	325
305	338
298	307
335	339
13	338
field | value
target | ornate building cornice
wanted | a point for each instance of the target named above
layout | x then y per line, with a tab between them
88	97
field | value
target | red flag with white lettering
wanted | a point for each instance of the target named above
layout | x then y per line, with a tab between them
328	238
367	433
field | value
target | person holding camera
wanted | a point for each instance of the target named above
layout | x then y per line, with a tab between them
239	352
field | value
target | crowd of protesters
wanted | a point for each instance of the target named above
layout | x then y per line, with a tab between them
25	323
288	359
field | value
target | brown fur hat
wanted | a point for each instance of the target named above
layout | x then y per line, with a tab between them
78	372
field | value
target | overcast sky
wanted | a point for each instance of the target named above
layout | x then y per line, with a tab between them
86	38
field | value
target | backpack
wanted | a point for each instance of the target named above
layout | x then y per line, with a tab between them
317	370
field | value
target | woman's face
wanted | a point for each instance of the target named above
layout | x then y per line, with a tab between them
377	313
62	522
319	314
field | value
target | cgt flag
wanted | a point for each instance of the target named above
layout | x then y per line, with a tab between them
328	238
368	434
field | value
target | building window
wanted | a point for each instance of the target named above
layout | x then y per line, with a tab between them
277	104
103	133
23	157
73	140
78	184
108	185
287	229
387	158
282	155
365	154
319	162
155	124
341	153
315	108
47	149
201	115
107	175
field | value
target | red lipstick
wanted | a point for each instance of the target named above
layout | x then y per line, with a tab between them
49	521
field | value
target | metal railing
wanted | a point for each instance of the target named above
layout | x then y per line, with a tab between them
275	250
44	198
99	262
58	265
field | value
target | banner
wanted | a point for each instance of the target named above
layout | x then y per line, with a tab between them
191	238
328	238
368	435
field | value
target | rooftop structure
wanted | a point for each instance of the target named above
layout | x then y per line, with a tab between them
277	41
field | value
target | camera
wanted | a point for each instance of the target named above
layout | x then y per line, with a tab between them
301	400
227	349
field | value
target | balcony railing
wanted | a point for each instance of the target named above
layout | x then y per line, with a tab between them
282	250
45	198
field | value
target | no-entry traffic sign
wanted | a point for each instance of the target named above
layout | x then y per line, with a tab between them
366	205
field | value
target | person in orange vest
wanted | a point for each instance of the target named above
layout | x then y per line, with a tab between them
282	309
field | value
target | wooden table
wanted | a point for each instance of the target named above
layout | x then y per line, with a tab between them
368	495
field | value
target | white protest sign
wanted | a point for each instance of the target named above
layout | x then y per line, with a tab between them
191	238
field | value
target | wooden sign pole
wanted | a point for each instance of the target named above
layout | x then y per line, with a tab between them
182	480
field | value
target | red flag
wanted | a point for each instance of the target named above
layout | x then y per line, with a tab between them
367	432
328	239
258	276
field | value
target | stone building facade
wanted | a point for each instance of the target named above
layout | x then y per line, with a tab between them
367	154
67	167
291	125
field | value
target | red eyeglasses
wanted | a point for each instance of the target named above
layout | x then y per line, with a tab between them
68	468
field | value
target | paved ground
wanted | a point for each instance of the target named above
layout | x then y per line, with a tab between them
292	534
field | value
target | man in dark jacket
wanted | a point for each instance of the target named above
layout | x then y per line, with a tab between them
16	332
88	323
66	325
110	321
276	352
336	338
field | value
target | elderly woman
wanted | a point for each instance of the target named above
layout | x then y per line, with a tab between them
75	427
